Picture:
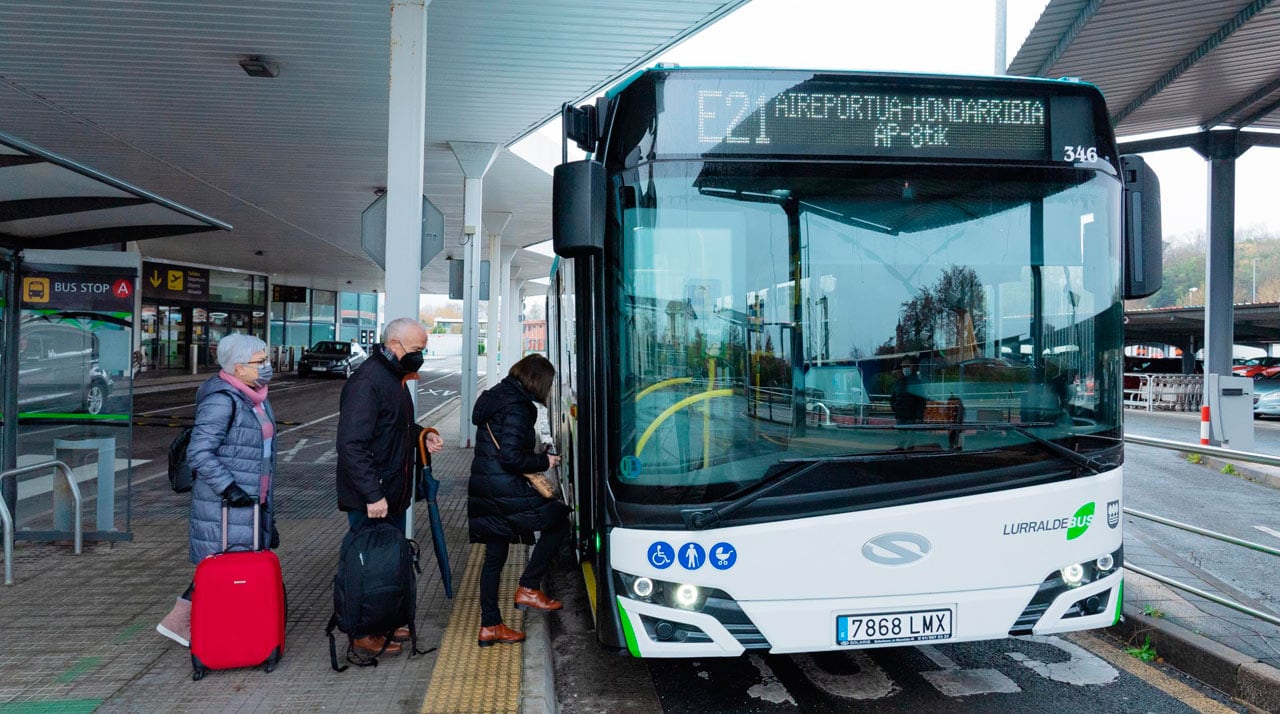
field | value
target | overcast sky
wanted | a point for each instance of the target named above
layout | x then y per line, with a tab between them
950	36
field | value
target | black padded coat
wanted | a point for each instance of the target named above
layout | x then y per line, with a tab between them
376	431
501	504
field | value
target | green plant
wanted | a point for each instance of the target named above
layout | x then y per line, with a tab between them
1152	611
1229	470
1194	458
1146	652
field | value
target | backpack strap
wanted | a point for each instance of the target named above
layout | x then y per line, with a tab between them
333	646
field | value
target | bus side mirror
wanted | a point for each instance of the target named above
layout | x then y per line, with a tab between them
578	204
1143	240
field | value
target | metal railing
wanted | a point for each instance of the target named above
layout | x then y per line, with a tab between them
7	516
1210	451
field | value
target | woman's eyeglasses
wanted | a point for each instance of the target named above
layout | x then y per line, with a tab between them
258	362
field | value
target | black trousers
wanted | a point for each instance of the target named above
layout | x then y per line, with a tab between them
495	557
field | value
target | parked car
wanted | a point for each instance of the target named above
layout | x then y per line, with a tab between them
1266	396
59	369
332	357
1256	366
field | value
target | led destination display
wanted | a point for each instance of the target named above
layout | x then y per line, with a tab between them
820	116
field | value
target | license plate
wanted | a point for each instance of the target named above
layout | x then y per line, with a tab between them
889	627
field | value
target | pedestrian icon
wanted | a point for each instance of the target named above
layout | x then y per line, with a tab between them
661	555
723	556
692	556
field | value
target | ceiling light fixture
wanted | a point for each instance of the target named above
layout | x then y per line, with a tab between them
259	66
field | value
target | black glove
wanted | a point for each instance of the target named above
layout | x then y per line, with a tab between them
235	497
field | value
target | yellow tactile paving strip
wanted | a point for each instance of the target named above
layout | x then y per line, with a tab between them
469	679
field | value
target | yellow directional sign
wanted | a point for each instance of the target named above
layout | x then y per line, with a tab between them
175	280
155	279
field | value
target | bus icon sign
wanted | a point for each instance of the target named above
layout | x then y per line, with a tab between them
35	289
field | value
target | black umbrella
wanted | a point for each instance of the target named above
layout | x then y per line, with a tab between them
427	488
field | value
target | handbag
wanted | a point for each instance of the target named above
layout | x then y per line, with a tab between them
541	482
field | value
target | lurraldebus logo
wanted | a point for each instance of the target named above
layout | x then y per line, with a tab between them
1075	526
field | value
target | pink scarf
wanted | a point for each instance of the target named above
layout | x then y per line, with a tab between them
256	395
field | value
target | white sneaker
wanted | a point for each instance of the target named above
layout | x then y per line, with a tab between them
177	624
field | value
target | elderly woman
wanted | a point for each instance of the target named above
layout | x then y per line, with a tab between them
232	457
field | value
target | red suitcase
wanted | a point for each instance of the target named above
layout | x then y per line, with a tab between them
237	609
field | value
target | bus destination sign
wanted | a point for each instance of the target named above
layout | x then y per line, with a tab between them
825	117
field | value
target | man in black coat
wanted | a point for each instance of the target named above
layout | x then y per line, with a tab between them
376	435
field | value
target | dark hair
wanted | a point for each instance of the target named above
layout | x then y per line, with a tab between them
536	374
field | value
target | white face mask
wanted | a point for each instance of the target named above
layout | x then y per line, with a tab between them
906	371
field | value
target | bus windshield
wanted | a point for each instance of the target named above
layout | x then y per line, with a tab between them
773	312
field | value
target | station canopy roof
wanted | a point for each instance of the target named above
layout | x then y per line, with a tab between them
153	91
1179	66
48	201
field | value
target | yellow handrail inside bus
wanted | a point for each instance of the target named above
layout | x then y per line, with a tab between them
664	383
648	432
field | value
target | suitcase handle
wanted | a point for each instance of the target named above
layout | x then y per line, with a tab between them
257	524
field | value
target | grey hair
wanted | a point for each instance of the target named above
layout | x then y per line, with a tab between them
238	349
399	327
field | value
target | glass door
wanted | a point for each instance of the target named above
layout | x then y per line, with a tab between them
171	337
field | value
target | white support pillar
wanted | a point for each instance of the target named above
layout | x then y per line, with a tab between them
494	224
517	308
475	158
509	298
406	133
405	137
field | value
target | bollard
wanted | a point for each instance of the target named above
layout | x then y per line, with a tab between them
1204	425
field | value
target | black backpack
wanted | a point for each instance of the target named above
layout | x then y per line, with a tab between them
180	475
375	591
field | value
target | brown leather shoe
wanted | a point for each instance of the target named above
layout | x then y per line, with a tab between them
489	636
528	597
370	646
402	634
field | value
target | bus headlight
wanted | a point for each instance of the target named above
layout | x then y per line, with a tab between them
1073	575
642	587
1105	563
687	595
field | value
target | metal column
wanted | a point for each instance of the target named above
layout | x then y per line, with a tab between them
475	158
494	224
406	132
1221	148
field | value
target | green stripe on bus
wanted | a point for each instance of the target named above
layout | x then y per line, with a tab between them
1119	601
630	634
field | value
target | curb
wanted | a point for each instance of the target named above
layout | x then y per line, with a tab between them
537	681
1248	472
1240	676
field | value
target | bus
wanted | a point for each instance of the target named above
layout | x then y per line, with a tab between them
839	357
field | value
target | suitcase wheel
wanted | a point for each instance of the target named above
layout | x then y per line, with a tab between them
197	670
272	661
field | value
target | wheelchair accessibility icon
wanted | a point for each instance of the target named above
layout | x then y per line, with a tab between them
661	555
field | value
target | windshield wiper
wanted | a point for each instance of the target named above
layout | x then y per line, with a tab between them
1089	463
707	518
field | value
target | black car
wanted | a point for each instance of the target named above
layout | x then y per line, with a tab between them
332	357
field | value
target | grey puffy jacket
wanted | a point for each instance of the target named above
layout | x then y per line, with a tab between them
221	453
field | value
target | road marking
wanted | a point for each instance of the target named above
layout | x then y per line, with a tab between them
1269	531
1082	668
1150	675
287	456
870	682
769	688
79	669
953	681
313	422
